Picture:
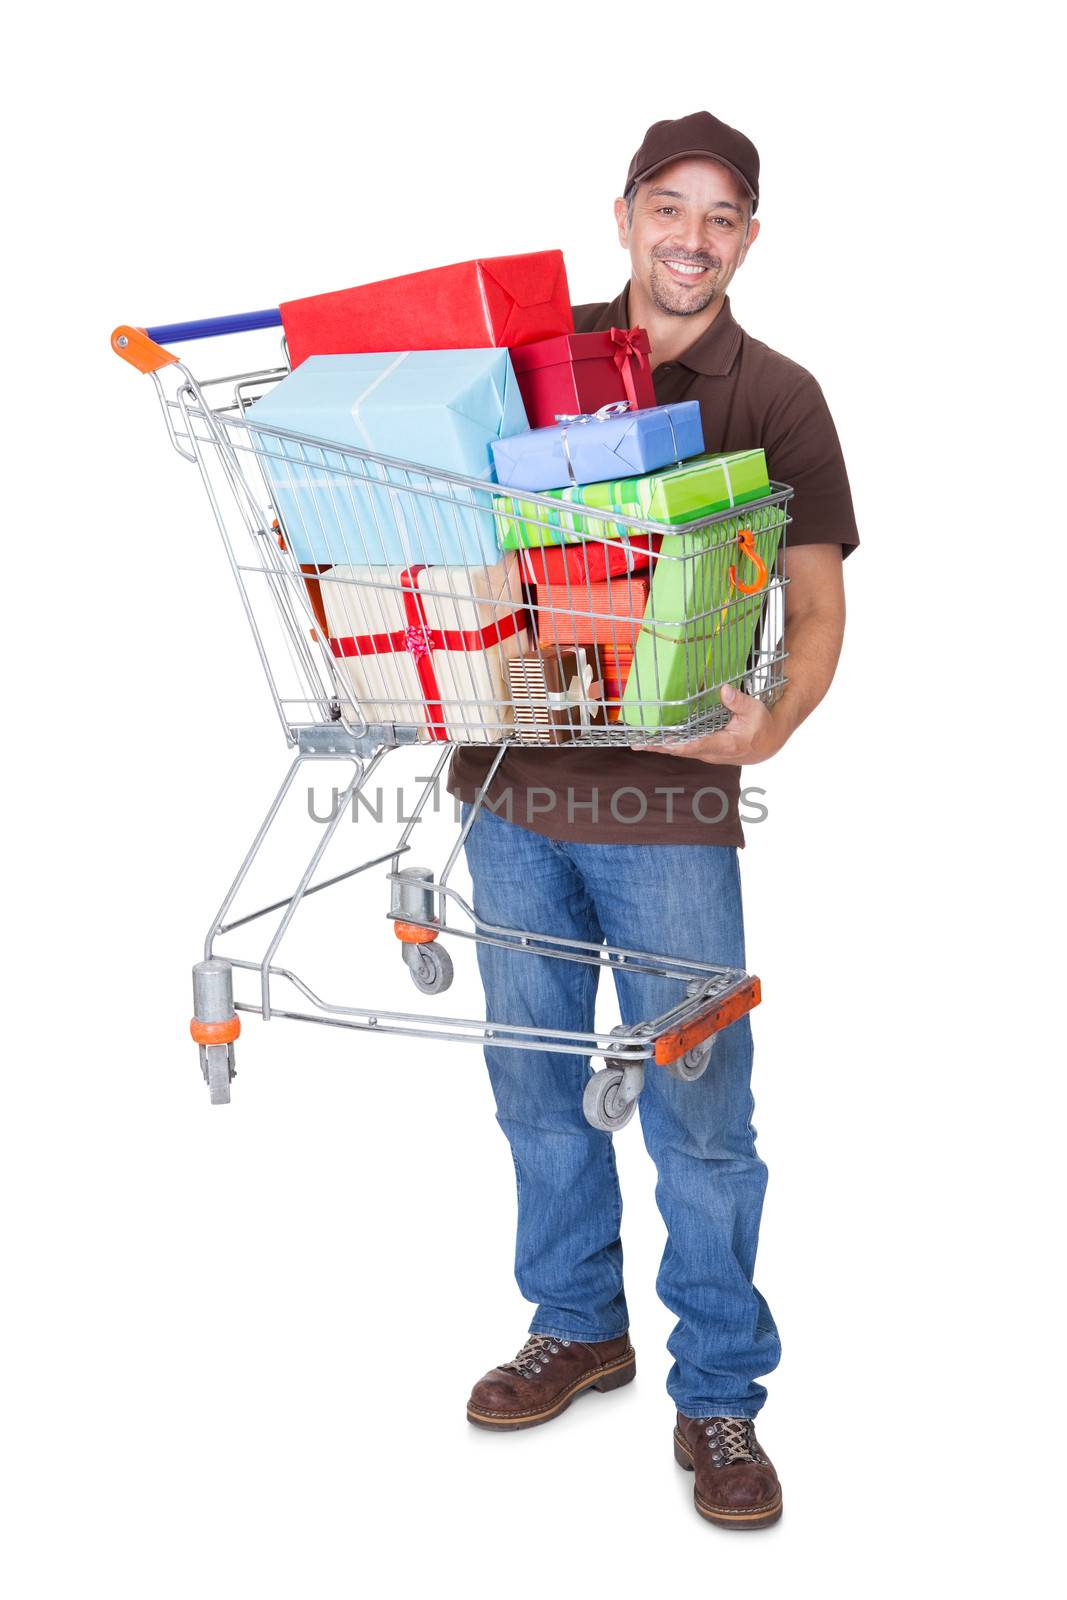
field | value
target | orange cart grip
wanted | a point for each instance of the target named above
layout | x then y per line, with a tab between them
748	548
215	1032
134	346
672	1045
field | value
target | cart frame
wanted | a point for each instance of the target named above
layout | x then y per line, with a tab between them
679	1039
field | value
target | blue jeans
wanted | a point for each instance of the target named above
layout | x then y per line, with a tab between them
681	900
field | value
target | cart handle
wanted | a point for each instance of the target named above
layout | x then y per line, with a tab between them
748	548
141	347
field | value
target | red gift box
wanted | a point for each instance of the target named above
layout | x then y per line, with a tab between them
589	563
580	372
502	301
564	615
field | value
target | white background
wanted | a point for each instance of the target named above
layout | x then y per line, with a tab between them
239	1341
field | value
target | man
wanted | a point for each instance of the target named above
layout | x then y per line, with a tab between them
639	847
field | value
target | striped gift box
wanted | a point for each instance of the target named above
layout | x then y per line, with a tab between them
594	613
552	694
675	495
614	663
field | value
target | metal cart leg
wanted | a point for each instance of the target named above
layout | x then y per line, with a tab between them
215	1025
413	905
253	851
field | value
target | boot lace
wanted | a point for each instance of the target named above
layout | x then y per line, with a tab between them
731	1439
536	1353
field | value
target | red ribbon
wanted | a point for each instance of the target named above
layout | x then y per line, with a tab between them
627	348
419	640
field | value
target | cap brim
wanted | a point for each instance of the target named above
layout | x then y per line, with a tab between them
680	155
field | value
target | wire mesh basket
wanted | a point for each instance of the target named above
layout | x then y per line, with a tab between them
434	607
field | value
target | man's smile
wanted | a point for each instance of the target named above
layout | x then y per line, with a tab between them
684	271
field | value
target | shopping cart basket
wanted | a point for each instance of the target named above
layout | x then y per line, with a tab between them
370	642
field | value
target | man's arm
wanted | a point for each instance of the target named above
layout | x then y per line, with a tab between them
815	627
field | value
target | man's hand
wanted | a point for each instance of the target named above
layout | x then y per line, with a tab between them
815	624
751	735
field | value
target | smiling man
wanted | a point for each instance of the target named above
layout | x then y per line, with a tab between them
639	847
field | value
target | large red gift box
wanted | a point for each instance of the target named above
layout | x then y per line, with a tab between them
502	301
592	562
597	613
580	372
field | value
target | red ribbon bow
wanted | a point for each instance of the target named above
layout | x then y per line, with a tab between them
627	349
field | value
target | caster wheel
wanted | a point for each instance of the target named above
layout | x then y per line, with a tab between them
694	1063
603	1105
218	1071
431	968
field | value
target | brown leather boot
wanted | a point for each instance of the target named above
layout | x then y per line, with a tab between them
736	1485
544	1378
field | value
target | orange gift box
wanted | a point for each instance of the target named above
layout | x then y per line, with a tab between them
593	613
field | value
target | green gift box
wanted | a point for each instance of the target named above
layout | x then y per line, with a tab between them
684	493
698	627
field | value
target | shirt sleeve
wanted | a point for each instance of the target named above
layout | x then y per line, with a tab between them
803	451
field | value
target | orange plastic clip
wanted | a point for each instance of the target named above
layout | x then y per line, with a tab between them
134	346
748	547
215	1032
412	933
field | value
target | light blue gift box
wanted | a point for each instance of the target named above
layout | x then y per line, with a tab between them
598	448
439	408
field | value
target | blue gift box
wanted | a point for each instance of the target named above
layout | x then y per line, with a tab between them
601	447
439	408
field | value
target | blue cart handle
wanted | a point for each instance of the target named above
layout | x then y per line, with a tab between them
142	347
211	327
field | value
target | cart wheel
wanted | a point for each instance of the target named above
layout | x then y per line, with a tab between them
219	1072
694	1063
603	1106
431	968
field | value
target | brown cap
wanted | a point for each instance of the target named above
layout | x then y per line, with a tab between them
698	135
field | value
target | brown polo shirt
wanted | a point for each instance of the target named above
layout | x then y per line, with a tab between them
749	396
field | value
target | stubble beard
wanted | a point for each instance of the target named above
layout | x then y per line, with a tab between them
675	300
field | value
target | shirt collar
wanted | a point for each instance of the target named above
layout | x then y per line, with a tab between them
712	354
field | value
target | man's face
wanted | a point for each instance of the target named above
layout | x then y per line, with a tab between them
688	233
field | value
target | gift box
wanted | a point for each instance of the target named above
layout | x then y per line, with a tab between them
615	662
704	610
552	694
611	443
675	495
501	301
580	372
427	645
598	613
590	561
439	408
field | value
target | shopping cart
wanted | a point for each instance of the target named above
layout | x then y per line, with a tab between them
365	653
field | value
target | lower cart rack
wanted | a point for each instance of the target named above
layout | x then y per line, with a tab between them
679	1039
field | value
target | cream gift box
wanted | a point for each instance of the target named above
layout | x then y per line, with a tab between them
427	645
